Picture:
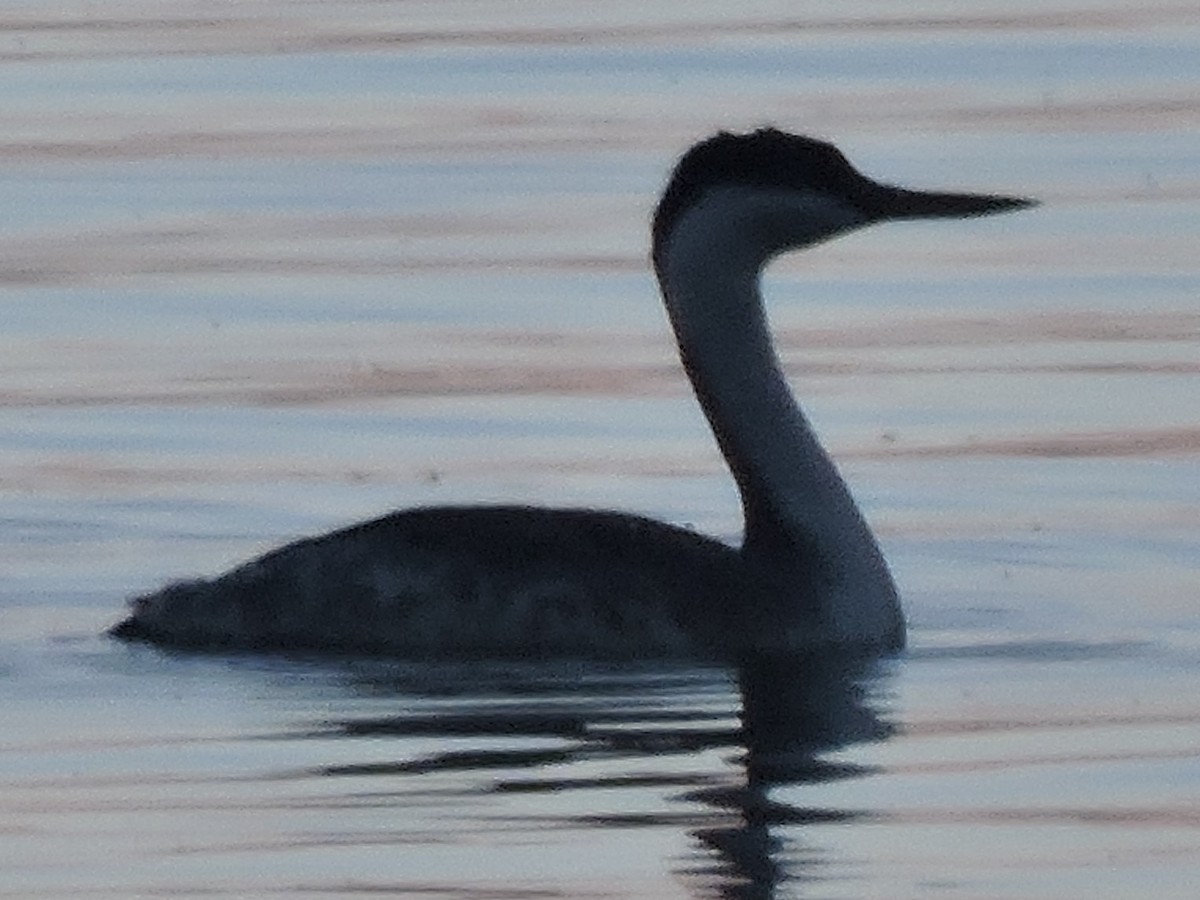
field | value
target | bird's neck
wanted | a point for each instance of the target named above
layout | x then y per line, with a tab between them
802	527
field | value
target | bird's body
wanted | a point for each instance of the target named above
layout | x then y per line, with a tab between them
533	582
508	581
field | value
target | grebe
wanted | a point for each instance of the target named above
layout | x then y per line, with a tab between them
515	581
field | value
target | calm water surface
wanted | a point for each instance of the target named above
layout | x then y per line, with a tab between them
271	268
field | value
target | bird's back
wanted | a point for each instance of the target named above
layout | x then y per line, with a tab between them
500	581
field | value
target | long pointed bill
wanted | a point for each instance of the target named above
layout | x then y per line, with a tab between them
883	201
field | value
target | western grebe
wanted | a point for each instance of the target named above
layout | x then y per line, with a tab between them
533	582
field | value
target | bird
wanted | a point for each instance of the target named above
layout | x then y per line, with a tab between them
523	582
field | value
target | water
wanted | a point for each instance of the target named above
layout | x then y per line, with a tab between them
272	269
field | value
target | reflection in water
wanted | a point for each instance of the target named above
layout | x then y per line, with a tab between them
794	710
582	736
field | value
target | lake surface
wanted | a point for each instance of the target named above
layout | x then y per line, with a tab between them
268	269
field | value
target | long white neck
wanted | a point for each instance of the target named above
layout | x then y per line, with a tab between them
802	527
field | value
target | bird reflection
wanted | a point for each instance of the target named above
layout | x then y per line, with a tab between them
771	724
795	709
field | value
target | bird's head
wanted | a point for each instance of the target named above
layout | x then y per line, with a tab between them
775	191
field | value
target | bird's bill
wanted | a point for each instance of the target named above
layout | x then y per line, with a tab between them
886	202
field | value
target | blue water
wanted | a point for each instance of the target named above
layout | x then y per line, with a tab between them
292	266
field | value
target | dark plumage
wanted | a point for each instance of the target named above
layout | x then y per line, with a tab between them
517	581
